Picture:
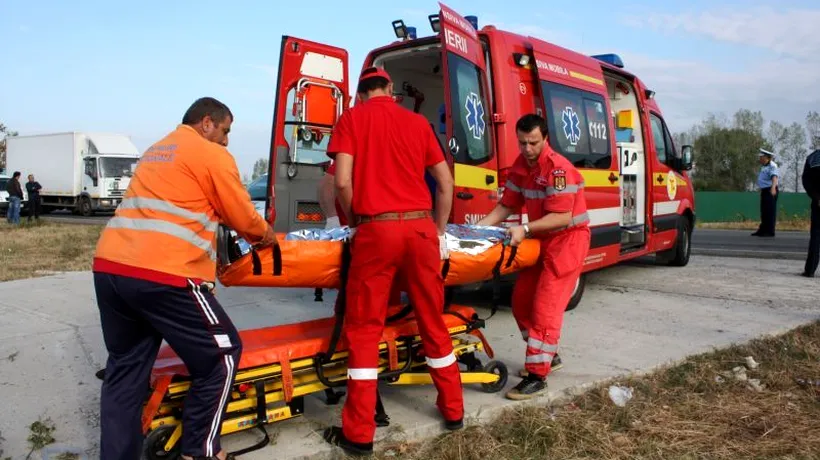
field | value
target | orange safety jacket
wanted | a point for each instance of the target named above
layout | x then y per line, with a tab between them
165	228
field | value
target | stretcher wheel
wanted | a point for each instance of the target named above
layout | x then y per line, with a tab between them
495	367
154	444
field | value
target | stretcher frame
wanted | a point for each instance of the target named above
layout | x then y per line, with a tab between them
256	389
287	383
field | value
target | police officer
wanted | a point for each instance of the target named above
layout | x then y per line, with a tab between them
768	182
552	190
811	183
381	151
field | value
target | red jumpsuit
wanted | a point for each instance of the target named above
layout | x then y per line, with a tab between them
542	292
391	147
398	284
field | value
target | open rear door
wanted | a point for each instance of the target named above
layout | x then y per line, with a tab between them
312	93
469	132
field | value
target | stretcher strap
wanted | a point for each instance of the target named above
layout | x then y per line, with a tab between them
487	348
445	269
341	303
392	354
287	379
257	264
261	419
277	261
497	281
150	409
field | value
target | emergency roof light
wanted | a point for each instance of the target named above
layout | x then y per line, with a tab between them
435	23
612	59
473	20
400	29
411	33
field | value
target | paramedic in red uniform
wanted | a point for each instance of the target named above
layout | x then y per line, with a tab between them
552	190
381	151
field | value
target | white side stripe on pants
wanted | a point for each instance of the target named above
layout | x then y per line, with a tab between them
216	424
363	374
438	363
539	358
203	304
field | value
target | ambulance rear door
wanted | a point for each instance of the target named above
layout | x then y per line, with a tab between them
312	92
469	133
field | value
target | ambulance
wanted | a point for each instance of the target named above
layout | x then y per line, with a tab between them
472	85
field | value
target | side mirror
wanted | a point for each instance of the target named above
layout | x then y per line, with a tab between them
687	154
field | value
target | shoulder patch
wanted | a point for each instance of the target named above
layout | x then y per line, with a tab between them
559	182
558	172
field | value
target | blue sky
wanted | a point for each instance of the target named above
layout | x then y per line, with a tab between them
135	67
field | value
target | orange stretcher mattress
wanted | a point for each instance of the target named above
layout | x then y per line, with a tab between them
289	342
317	264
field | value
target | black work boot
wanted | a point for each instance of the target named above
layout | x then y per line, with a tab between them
454	425
334	436
530	387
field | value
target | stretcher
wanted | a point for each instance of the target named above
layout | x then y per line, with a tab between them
313	258
281	365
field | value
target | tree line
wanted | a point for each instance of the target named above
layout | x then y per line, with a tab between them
726	149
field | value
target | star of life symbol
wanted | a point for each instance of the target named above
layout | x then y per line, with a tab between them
572	125
475	116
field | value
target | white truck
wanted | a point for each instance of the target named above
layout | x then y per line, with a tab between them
81	171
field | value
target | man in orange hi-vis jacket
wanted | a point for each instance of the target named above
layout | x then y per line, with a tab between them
154	274
551	189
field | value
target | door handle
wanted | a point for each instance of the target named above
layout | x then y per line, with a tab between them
464	195
489	179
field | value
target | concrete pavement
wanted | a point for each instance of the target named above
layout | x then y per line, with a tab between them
633	317
740	243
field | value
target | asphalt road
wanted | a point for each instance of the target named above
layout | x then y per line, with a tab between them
721	243
740	243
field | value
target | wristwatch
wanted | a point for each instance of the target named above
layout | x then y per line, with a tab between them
526	230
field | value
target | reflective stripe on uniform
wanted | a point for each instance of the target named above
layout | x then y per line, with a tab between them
572	188
534	194
168	228
539	358
438	363
164	206
510	186
539	345
579	219
363	374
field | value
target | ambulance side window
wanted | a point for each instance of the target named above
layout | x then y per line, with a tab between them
578	125
664	146
471	128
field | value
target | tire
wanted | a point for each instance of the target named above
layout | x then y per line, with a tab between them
85	209
683	245
577	293
494	367
155	442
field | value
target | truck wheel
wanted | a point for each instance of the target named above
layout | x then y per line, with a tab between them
678	256
85	207
578	292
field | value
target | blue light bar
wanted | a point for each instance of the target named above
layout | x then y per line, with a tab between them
473	20
612	59
411	33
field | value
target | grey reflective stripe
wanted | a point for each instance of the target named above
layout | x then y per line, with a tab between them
579	219
539	358
168	228
539	345
164	206
567	189
534	194
510	186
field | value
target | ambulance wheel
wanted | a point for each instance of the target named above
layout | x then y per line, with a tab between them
578	292
154	445
499	368
678	256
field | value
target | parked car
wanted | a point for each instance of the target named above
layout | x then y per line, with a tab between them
4	196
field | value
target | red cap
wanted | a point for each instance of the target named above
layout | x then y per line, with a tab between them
371	72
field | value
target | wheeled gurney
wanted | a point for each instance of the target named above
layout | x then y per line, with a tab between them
281	365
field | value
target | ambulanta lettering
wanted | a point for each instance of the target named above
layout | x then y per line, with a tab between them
551	67
597	130
460	22
456	41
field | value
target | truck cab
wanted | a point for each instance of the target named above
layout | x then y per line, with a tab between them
472	84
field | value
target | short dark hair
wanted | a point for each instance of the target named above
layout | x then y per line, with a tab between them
372	83
206	106
531	121
16	174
